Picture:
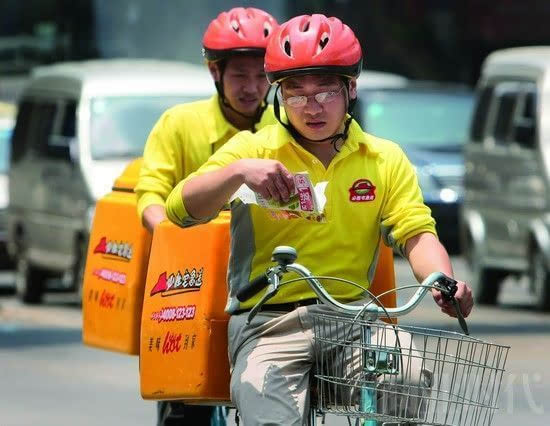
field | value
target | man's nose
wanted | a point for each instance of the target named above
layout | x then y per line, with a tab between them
312	107
250	86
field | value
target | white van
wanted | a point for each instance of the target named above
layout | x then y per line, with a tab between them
78	126
505	221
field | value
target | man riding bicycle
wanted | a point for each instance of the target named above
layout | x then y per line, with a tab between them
186	135
372	193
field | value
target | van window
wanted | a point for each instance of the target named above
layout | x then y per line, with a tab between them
120	125
21	132
5	140
64	131
480	114
505	115
68	124
525	123
42	125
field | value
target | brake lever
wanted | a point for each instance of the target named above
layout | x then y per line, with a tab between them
460	317
271	291
448	288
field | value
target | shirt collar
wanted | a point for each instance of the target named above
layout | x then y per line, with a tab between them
356	137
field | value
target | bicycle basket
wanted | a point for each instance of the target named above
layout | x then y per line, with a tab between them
405	374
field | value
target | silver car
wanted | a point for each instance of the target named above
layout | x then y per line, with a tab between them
78	126
505	221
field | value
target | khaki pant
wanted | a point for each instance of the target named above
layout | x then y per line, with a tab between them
271	361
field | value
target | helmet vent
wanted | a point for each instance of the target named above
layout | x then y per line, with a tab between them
324	40
305	28
235	25
322	43
267	29
287	47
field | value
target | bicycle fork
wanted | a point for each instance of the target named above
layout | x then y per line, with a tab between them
374	363
367	402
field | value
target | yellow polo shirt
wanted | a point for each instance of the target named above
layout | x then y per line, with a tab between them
345	243
180	142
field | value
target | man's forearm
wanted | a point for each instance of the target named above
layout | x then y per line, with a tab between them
426	255
205	195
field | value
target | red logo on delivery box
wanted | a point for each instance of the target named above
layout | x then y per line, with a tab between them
113	248
171	343
176	283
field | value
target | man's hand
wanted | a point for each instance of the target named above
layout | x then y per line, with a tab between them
269	178
206	194
152	216
463	296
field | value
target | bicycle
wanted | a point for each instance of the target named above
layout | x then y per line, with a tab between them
466	373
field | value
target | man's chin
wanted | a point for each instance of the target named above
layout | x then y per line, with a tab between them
319	135
247	109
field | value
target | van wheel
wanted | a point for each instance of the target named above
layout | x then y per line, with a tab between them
486	281
539	277
79	268
29	281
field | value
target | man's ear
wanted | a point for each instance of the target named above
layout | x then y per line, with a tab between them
214	71
353	88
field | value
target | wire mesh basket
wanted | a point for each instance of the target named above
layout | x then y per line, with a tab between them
416	375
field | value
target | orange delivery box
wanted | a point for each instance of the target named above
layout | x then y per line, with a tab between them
184	326
116	266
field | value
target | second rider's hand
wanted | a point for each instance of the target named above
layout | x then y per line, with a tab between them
269	178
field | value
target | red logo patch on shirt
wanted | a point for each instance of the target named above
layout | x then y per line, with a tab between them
362	190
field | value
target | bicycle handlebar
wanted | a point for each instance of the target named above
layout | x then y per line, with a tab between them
285	257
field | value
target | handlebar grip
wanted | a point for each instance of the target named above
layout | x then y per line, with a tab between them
252	288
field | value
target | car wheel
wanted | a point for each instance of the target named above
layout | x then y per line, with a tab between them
485	281
29	281
539	276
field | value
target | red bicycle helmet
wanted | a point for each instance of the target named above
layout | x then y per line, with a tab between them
312	45
238	31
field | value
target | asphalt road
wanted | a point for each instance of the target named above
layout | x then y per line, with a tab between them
47	377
